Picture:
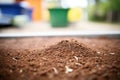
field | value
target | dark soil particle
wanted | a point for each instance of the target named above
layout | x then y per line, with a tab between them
59	58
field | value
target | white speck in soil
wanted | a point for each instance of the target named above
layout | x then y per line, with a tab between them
55	70
112	53
78	64
68	70
44	58
98	52
76	58
21	71
14	59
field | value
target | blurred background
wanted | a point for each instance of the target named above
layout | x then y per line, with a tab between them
45	16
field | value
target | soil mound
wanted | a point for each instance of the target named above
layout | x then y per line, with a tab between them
69	48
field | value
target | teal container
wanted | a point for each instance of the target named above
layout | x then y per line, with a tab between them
58	17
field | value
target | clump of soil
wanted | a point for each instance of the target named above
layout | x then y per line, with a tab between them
65	60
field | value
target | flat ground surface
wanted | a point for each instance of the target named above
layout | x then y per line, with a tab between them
80	26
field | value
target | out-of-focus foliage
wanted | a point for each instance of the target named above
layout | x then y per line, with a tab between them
99	11
114	4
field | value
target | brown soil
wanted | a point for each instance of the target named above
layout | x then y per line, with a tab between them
60	58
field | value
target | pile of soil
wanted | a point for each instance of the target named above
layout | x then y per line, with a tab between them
59	59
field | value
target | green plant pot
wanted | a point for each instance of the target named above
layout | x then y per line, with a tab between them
58	17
